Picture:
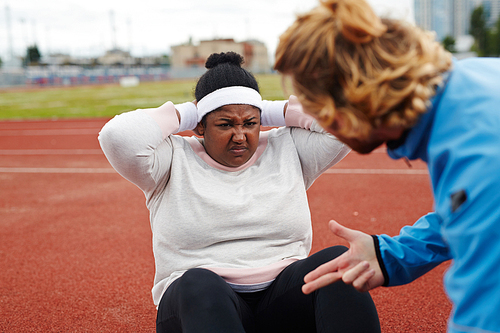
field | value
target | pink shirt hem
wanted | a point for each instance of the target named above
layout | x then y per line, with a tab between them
252	275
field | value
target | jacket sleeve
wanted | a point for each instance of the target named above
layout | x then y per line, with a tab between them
138	145
415	251
317	149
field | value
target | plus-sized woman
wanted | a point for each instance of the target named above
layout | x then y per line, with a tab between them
229	212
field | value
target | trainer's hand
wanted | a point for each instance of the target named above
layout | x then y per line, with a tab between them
358	266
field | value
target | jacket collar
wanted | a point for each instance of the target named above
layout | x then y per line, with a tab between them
413	143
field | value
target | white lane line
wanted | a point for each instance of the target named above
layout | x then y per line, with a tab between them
76	131
378	171
50	152
57	170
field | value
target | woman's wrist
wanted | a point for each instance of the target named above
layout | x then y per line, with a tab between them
273	113
188	116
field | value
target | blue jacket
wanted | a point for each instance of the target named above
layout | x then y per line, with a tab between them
459	139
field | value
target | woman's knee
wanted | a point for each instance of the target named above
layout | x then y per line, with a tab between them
198	281
199	276
199	297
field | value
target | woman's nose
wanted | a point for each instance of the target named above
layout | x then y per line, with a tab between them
239	134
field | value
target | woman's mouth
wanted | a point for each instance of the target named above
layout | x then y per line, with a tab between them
238	150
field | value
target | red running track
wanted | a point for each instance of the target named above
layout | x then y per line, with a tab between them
75	242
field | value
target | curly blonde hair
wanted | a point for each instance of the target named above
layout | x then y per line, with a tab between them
347	63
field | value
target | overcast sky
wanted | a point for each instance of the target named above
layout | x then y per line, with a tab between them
145	27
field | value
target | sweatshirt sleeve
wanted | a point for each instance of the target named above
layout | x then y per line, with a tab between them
138	146
415	251
273	114
317	149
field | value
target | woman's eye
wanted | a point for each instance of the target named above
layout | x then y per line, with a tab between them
251	124
223	125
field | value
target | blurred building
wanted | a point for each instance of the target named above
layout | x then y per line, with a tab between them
116	57
492	9
57	59
189	55
452	17
462	11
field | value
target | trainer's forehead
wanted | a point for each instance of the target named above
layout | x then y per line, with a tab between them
395	9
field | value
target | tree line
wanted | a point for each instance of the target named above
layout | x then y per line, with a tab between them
487	40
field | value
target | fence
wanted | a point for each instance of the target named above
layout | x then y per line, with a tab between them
74	75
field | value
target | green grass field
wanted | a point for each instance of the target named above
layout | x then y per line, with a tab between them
108	100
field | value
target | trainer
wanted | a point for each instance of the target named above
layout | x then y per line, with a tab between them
372	81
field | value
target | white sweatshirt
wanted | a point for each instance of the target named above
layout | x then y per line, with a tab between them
246	223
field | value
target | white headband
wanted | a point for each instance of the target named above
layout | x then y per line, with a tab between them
226	96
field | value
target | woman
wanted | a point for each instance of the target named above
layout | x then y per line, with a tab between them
372	81
229	213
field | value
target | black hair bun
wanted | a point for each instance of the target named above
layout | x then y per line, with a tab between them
232	58
224	70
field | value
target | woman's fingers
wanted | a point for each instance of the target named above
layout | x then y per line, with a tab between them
343	232
352	267
362	283
321	282
359	276
351	275
329	267
341	262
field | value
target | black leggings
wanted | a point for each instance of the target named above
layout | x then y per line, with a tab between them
201	301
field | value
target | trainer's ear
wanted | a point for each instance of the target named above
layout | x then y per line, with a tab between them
199	129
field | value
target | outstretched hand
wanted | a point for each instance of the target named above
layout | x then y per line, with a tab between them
358	266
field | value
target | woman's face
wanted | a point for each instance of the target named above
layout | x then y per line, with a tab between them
231	134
